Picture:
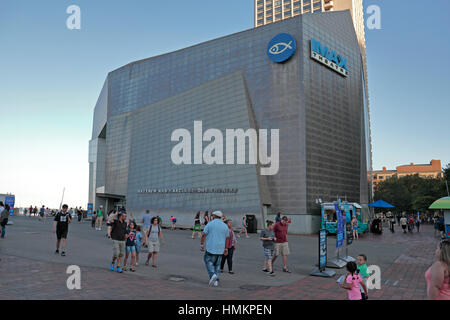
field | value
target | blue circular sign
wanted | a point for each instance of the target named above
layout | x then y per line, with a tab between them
281	48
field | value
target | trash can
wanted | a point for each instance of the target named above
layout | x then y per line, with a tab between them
251	223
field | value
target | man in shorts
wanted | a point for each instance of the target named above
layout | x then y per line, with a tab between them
267	237
116	231
61	228
281	242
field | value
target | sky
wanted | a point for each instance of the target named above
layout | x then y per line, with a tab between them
51	77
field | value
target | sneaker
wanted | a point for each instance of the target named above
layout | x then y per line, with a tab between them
265	270
216	283
63	254
119	270
213	278
272	274
57	252
111	266
124	268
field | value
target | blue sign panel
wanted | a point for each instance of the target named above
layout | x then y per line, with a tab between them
10	200
322	249
281	48
340	227
90	208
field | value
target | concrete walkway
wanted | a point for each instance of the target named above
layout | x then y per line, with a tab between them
31	270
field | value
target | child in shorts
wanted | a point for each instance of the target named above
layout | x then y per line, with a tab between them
130	246
268	237
361	262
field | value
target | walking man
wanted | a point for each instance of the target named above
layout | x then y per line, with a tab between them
116	231
217	238
281	242
61	228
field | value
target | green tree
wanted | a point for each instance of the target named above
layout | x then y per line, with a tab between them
395	193
422	203
410	192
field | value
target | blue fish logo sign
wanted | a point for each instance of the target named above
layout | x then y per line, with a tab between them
281	48
328	57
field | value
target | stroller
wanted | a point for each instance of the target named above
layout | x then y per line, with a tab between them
376	226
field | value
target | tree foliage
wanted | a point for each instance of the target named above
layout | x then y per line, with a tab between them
412	193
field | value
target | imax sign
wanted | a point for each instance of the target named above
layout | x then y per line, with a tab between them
328	57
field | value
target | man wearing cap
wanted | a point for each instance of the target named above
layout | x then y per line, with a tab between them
217	236
281	242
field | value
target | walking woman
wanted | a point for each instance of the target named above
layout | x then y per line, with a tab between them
438	275
153	235
355	228
231	248
197	226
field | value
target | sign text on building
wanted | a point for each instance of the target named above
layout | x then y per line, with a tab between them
329	58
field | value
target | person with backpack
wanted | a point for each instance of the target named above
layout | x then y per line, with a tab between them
153	236
4	215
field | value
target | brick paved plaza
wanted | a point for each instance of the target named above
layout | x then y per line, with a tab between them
31	270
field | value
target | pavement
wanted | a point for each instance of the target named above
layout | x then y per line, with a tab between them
29	269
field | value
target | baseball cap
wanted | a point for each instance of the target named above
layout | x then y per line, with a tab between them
218	213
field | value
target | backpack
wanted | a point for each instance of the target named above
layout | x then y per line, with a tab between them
150	230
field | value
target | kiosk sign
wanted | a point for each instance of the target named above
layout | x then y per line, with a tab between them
10	200
340	227
322	249
90	208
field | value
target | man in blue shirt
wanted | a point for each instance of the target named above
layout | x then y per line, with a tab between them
216	235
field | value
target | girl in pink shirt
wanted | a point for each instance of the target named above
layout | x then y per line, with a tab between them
352	281
438	275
